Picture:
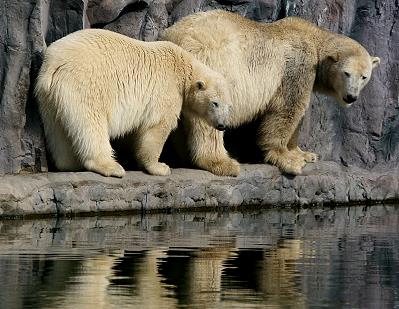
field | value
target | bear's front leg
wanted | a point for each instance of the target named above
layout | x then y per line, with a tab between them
280	125
207	149
276	130
309	157
149	146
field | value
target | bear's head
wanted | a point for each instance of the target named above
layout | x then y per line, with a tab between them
209	98
349	72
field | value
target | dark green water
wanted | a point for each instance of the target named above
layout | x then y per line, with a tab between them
338	258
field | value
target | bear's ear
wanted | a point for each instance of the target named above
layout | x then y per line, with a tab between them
334	57
375	61
200	85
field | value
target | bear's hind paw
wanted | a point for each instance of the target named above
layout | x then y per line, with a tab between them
159	169
108	168
228	167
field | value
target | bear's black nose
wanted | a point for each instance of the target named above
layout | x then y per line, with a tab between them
221	127
350	98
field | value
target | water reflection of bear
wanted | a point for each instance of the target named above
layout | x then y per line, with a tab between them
162	279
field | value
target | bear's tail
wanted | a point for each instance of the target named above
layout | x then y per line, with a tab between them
36	67
44	83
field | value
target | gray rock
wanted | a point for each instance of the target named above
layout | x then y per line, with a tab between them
364	136
21	140
258	185
24	27
105	11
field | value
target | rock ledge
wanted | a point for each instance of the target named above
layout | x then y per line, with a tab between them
257	185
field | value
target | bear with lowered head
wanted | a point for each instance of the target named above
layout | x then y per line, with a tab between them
95	85
272	70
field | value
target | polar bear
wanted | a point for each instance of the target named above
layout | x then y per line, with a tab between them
95	85
272	70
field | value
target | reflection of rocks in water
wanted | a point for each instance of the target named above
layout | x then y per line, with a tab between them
277	258
28	276
351	254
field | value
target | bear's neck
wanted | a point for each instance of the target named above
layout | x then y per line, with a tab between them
323	79
186	71
187	82
328	48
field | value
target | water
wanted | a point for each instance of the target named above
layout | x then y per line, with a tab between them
331	258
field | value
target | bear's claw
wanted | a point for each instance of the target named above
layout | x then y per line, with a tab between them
310	157
289	162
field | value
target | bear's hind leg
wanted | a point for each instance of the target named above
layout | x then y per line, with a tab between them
91	141
60	146
149	146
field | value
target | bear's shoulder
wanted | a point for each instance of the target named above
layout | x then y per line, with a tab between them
298	24
214	17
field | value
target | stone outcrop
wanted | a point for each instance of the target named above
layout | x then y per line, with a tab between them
364	136
257	185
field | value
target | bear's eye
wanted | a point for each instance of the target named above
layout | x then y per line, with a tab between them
364	77
215	104
200	85
347	74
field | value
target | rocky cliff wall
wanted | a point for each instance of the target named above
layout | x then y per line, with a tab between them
366	135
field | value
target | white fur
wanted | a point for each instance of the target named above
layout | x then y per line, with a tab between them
272	69
95	85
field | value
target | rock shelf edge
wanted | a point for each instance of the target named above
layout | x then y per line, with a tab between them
258	185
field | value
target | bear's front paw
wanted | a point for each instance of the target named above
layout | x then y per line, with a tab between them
159	169
310	157
288	162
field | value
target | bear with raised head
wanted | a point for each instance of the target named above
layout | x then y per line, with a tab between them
272	70
95	85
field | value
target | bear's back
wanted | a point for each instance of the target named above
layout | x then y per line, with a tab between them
85	48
